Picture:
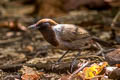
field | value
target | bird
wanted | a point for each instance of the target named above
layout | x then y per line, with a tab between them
66	36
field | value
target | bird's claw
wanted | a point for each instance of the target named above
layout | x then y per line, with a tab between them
72	65
55	65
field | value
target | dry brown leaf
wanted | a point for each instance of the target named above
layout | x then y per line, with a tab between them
30	74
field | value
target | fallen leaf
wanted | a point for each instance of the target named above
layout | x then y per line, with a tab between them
30	73
93	70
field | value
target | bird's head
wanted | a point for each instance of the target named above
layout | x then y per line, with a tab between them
43	24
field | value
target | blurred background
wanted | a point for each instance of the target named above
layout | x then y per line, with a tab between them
27	11
18	45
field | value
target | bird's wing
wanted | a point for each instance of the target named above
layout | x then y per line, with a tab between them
69	32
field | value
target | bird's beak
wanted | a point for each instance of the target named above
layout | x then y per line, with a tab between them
32	26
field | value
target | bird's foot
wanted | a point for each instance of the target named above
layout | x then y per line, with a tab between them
55	65
59	60
72	65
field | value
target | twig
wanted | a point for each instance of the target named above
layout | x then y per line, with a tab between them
115	19
48	67
10	40
78	70
113	26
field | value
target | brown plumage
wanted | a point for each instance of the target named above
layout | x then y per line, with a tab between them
63	36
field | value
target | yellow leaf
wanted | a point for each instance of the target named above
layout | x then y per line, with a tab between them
93	70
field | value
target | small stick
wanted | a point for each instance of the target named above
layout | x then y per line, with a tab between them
78	70
10	40
113	25
115	19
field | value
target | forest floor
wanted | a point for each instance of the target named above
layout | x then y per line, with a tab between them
25	52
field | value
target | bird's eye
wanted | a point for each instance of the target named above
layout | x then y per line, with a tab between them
44	25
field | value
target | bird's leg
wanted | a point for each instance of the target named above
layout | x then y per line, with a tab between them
74	60
59	60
